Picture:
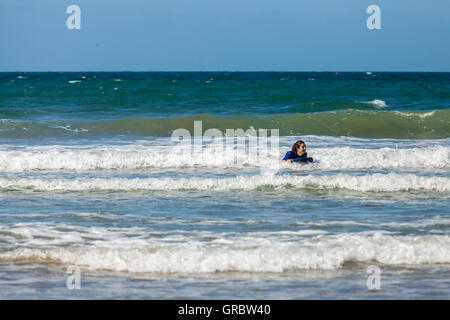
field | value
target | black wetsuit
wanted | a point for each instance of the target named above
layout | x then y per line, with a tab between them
293	155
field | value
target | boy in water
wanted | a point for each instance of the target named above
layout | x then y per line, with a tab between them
298	151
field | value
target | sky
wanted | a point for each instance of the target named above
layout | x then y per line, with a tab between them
225	35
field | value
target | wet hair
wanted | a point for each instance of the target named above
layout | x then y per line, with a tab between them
297	144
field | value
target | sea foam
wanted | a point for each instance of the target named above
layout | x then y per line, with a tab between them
376	182
115	158
323	253
378	103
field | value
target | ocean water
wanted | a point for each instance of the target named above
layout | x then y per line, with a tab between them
92	180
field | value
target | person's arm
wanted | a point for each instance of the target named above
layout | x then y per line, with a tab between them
286	157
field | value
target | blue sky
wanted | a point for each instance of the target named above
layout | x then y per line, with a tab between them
219	35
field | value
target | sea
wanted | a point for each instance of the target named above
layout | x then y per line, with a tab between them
171	185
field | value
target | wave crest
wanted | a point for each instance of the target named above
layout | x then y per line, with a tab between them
377	182
327	253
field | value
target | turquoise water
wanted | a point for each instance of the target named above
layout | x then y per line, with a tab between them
90	177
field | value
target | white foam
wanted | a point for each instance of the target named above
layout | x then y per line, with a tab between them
437	221
415	115
437	157
378	103
110	158
323	253
366	183
38	234
74	81
68	128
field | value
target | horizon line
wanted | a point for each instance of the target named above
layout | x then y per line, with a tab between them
223	71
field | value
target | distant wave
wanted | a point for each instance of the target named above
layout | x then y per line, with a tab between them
357	123
378	103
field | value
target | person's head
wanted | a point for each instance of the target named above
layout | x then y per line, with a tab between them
299	147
